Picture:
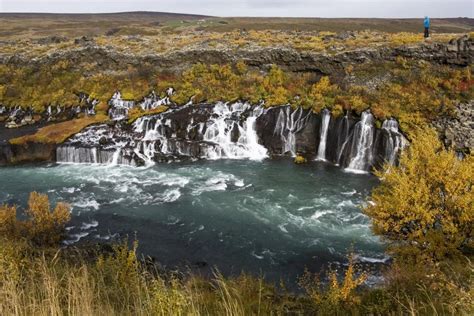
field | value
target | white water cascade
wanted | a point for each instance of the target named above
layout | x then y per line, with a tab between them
220	131
362	144
226	131
343	138
395	141
229	131
119	107
288	124
325	118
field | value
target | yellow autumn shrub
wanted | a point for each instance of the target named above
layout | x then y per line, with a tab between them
427	202
43	225
334	296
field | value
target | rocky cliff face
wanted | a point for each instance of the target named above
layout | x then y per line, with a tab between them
458	52
26	153
238	131
458	130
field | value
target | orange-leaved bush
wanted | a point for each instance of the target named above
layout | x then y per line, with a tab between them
43	226
427	202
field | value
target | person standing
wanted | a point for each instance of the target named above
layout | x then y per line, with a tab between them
427	26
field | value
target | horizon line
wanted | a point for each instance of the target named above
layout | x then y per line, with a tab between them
237	16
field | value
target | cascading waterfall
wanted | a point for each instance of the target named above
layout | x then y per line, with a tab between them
119	107
288	125
222	126
154	138
343	138
395	141
362	143
229	131
325	118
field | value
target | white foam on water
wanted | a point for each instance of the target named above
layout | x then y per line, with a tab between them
86	203
74	238
346	203
218	182
239	183
305	208
319	214
105	237
349	192
259	257
361	258
171	195
70	190
87	226
283	228
117	201
174	181
355	171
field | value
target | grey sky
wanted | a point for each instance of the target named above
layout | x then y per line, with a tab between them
303	8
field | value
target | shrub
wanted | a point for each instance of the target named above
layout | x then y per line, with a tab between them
337	296
427	201
42	227
300	159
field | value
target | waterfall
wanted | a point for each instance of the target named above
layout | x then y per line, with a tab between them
325	118
118	107
229	131
395	141
221	131
223	126
288	124
343	138
362	144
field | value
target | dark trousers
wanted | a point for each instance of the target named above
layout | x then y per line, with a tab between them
427	32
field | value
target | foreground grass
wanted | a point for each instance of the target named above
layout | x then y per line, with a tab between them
58	133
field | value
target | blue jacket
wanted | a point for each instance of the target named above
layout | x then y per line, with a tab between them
427	22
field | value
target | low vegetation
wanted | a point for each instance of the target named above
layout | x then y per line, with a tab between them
300	160
426	204
412	91
138	112
423	208
57	133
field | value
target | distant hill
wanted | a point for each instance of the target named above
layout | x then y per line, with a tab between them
35	25
449	25
103	16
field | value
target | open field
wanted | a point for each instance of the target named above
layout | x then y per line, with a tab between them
20	25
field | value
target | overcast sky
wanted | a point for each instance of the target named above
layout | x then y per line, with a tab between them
303	8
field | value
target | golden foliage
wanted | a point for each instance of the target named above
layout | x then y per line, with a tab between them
427	202
300	159
137	112
336	295
59	132
43	226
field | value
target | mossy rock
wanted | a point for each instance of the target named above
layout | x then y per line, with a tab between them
300	160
